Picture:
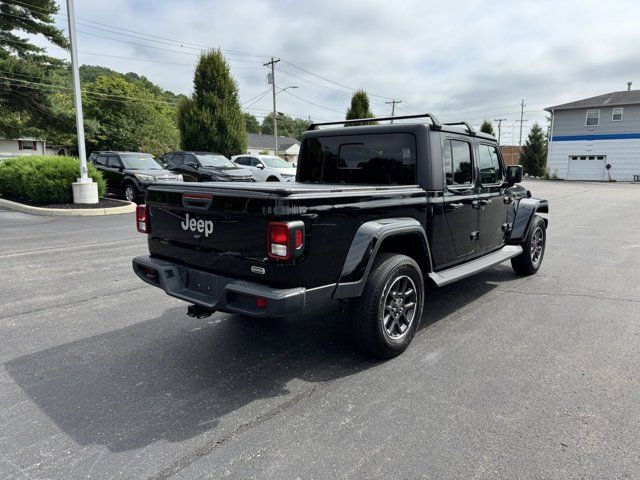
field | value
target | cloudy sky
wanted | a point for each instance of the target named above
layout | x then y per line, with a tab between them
461	60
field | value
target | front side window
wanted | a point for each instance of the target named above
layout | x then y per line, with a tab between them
489	163
113	162
616	116
593	118
457	162
381	159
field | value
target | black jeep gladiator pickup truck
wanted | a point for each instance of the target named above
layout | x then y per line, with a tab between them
377	213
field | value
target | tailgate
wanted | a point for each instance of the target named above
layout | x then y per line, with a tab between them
220	230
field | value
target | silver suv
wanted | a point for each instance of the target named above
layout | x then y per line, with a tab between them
267	168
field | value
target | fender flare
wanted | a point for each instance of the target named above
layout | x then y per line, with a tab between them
364	248
526	210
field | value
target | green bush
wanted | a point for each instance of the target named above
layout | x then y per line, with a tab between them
44	179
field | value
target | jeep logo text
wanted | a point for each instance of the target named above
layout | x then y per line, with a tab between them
199	225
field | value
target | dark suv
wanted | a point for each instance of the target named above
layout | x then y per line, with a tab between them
129	173
206	167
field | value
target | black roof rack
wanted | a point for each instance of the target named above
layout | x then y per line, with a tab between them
436	123
470	129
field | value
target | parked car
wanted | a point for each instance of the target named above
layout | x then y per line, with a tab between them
376	214
130	173
267	168
206	167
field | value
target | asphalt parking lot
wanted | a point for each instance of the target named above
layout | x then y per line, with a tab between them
103	376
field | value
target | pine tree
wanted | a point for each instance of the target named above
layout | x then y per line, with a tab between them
487	128
25	63
360	108
534	153
211	119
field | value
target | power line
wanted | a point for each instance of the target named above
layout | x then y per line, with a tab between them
87	92
313	103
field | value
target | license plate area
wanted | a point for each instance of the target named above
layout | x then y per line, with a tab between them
203	283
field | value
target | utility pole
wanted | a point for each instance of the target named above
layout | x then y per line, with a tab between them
272	64
522	105
499	120
84	190
393	106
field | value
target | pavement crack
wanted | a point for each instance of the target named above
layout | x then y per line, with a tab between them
212	445
597	297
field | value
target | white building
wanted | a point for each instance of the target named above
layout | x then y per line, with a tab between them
596	138
21	146
288	147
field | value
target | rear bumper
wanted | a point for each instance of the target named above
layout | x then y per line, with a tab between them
215	292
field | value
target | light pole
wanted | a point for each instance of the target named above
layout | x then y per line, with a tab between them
84	189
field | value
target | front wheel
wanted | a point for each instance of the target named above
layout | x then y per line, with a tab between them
387	314
130	193
529	261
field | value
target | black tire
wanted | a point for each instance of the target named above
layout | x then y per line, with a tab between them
370	310
135	195
273	179
529	261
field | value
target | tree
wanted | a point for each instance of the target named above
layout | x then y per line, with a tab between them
534	153
211	119
251	123
360	108
124	115
487	128
25	63
287	126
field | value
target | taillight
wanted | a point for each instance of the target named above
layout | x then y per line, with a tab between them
285	240
141	219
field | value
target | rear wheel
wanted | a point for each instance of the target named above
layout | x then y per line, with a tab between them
387	314
529	261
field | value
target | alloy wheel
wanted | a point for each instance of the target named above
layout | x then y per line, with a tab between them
400	300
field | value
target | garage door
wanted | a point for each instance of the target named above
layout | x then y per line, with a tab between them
587	167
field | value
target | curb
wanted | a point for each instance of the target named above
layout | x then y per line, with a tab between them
127	207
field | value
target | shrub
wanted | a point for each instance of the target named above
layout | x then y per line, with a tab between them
44	179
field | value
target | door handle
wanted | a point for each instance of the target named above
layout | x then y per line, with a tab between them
477	204
452	207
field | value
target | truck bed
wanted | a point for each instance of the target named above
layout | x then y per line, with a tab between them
239	214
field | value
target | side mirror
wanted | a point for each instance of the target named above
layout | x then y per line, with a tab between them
192	164
514	174
260	166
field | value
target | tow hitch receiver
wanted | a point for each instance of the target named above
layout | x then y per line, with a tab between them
197	311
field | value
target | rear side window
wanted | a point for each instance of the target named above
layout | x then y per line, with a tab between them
380	159
489	163
101	160
457	162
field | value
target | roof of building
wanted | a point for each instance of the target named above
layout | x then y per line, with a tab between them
626	97
265	142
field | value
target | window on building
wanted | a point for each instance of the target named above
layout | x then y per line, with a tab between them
593	118
616	116
26	145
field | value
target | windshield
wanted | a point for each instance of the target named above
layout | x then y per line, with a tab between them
275	162
139	161
217	161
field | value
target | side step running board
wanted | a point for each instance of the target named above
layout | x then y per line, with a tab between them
450	275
